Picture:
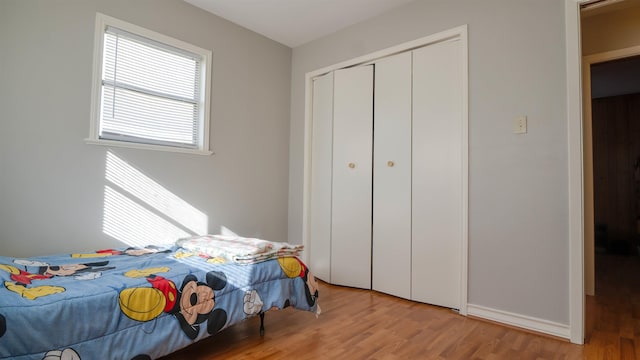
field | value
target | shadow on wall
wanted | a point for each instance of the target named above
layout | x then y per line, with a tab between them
138	211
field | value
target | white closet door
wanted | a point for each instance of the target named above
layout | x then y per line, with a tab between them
437	174
321	165
392	176
352	157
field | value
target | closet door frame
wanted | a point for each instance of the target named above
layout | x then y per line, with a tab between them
459	33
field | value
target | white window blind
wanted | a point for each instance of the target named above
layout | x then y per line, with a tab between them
150	91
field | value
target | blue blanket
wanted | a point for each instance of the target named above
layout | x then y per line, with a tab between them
136	303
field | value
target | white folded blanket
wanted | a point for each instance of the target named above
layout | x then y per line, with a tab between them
239	249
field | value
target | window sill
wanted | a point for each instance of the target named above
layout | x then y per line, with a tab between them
131	145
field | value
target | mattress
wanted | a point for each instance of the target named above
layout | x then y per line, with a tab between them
136	303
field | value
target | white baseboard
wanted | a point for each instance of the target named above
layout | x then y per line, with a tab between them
521	321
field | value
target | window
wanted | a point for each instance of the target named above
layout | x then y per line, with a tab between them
149	91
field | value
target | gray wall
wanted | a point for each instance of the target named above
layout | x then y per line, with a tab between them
52	184
518	192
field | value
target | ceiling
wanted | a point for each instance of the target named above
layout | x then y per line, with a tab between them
296	22
599	7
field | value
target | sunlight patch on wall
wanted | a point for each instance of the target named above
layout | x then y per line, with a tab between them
226	231
155	195
135	225
139	212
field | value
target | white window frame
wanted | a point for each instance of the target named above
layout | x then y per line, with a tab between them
102	22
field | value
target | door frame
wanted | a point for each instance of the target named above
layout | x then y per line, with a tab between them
589	206
575	171
580	193
459	33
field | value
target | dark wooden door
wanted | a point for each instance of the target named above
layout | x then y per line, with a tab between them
616	157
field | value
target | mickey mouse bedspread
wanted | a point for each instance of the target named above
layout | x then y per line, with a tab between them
136	303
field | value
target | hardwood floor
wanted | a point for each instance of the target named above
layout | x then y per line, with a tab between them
359	324
615	310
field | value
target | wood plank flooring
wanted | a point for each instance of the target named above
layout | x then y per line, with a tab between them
615	310
360	324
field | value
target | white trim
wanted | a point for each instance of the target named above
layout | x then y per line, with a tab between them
427	40
205	108
132	145
575	163
464	280
521	321
102	21
460	33
96	73
306	186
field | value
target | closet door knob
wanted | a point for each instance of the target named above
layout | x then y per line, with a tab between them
352	165
390	163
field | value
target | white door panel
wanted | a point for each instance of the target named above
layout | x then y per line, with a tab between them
392	176
352	161
437	174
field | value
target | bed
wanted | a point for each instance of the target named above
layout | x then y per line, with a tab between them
140	302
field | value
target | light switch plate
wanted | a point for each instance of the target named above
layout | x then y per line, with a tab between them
520	125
